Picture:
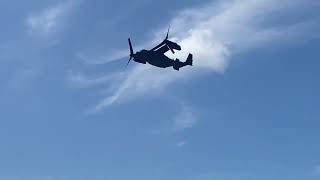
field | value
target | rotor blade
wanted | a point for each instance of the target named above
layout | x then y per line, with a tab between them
167	33
129	60
131	51
130	46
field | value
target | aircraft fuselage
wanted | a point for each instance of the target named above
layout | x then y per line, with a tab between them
154	58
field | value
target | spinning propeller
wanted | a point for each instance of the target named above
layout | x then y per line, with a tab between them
166	40
131	51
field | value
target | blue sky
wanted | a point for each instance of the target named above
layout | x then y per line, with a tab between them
72	110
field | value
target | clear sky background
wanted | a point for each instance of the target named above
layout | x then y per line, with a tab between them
248	109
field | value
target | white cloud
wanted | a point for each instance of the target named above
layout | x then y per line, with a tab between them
214	34
218	31
181	144
49	19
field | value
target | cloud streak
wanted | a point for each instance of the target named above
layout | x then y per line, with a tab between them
80	80
215	34
47	21
185	119
181	144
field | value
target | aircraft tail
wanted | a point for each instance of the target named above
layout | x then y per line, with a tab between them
178	64
189	60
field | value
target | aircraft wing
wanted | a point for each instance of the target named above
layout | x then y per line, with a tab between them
158	46
165	46
163	49
173	45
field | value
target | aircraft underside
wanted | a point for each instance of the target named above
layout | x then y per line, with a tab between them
161	61
164	62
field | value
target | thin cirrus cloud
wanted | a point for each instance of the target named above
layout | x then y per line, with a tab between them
316	171
215	34
185	119
80	80
48	20
181	144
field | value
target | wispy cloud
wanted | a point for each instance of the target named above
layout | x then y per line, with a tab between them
80	80
215	34
181	144
185	119
103	59
316	171
49	19
140	80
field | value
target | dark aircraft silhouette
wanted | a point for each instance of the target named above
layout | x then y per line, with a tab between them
156	56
